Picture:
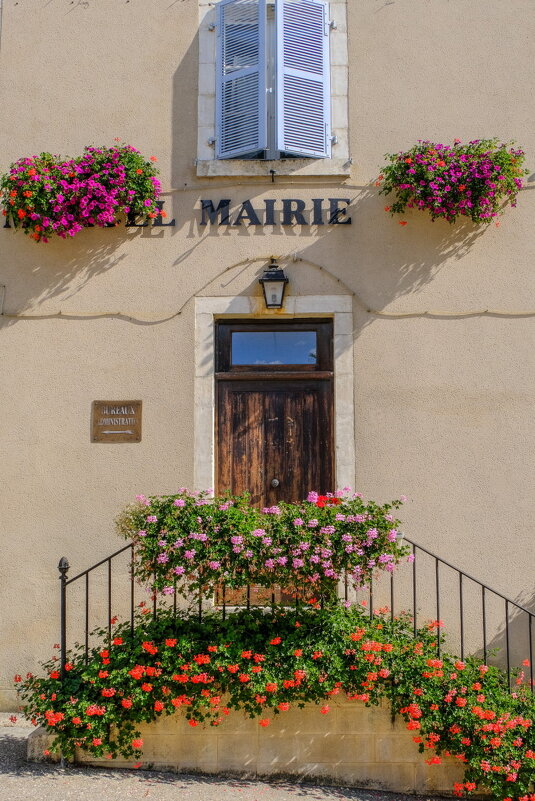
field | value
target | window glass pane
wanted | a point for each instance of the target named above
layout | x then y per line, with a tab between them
273	347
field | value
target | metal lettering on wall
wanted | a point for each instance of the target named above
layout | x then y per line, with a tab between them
286	212
116	421
274	212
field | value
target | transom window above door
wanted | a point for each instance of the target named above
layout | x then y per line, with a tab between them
273	348
267	346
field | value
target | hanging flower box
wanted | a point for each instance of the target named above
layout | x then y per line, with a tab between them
45	196
472	180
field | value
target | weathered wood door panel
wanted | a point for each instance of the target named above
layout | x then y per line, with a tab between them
275	431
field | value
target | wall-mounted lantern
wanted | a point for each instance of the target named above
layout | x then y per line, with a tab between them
273	282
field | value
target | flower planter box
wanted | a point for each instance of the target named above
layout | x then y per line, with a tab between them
351	745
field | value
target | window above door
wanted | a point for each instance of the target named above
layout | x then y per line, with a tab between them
261	347
273	88
273	348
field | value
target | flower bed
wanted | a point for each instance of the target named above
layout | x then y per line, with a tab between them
471	180
45	196
266	664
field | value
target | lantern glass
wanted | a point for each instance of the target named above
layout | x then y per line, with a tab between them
274	283
273	292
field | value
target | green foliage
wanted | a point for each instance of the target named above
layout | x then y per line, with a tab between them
265	663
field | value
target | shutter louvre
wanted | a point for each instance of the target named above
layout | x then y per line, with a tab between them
241	78
303	78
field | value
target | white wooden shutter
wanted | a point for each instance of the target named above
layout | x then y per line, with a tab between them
303	78
241	78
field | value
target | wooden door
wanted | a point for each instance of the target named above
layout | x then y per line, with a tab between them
274	420
275	438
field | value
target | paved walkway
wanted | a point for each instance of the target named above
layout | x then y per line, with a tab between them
24	781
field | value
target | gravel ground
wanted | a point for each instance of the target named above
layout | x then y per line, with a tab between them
24	781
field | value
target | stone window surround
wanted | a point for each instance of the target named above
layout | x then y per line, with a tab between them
209	309
208	166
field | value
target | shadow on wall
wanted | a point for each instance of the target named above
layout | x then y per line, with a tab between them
520	632
384	261
58	268
375	258
62	268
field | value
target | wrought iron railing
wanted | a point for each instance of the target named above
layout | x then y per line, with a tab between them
501	629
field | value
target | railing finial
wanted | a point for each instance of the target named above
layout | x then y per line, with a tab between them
63	566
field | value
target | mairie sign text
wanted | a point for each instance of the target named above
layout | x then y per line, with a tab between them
289	211
272	211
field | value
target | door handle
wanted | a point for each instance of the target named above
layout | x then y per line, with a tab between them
275	482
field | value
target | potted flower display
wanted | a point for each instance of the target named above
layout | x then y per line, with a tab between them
472	180
45	195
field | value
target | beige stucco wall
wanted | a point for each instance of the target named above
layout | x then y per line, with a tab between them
443	404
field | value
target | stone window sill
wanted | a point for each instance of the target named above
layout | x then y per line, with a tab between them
215	168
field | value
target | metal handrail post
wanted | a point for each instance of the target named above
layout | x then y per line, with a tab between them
63	567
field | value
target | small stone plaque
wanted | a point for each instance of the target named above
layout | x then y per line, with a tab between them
116	421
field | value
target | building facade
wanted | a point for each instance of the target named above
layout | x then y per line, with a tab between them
402	359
